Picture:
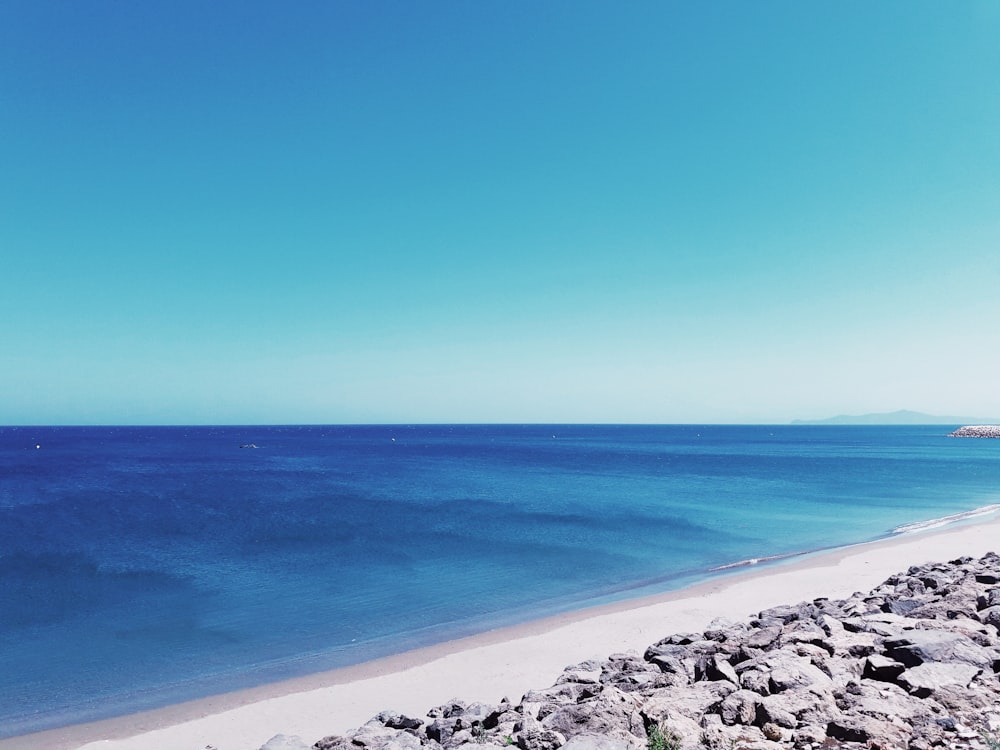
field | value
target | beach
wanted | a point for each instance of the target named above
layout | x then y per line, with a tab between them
510	661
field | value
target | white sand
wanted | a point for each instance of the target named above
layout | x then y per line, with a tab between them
505	662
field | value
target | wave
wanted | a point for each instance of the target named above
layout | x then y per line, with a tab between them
757	561
933	523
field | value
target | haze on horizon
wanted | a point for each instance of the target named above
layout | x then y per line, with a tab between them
249	212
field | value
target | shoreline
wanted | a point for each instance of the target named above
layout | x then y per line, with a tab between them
511	660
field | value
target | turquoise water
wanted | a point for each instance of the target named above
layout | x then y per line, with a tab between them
142	566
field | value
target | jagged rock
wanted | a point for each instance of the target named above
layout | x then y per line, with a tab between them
540	739
613	713
989	598
785	613
395	720
917	647
878	667
716	667
757	680
790	672
374	737
763	637
924	679
692	701
772	732
598	742
739	708
848	729
285	742
991	616
773	710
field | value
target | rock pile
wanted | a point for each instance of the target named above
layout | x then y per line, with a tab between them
912	664
977	431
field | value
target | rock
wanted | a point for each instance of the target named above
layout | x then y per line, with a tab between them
878	667
772	732
916	647
598	742
739	708
763	637
693	701
332	742
395	720
991	616
848	729
924	679
791	672
544	739
285	742
774	710
716	667
613	713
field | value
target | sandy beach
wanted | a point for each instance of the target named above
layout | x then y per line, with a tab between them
509	661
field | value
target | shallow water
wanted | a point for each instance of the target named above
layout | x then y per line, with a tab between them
142	566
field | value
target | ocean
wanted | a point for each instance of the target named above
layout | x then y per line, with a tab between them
142	566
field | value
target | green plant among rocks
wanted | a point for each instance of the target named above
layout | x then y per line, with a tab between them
657	739
991	738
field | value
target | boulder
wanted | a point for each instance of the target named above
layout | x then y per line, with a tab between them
923	679
916	647
285	742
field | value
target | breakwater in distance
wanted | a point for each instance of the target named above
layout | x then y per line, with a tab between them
144	566
977	431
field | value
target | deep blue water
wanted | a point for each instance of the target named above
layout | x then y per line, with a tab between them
145	565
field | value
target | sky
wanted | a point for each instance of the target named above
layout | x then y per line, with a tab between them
244	212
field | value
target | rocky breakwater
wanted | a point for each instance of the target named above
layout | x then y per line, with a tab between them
912	664
977	431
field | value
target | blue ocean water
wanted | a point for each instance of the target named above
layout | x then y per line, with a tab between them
141	566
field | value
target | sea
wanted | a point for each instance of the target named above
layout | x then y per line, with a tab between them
143	566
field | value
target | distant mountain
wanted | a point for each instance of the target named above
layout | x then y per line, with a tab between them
897	417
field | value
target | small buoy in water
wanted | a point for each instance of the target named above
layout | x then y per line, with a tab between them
37	446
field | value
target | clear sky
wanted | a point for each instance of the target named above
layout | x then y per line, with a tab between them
497	211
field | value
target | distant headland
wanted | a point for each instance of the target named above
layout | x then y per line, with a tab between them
901	417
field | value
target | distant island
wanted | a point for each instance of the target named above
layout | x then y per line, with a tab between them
901	417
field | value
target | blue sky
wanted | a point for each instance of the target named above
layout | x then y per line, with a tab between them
243	212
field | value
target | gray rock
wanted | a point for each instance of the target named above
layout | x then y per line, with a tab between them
599	742
924	679
916	647
717	667
285	742
613	713
763	637
775	710
540	739
878	667
739	708
395	720
991	616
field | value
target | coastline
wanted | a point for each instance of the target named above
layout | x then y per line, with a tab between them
511	660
